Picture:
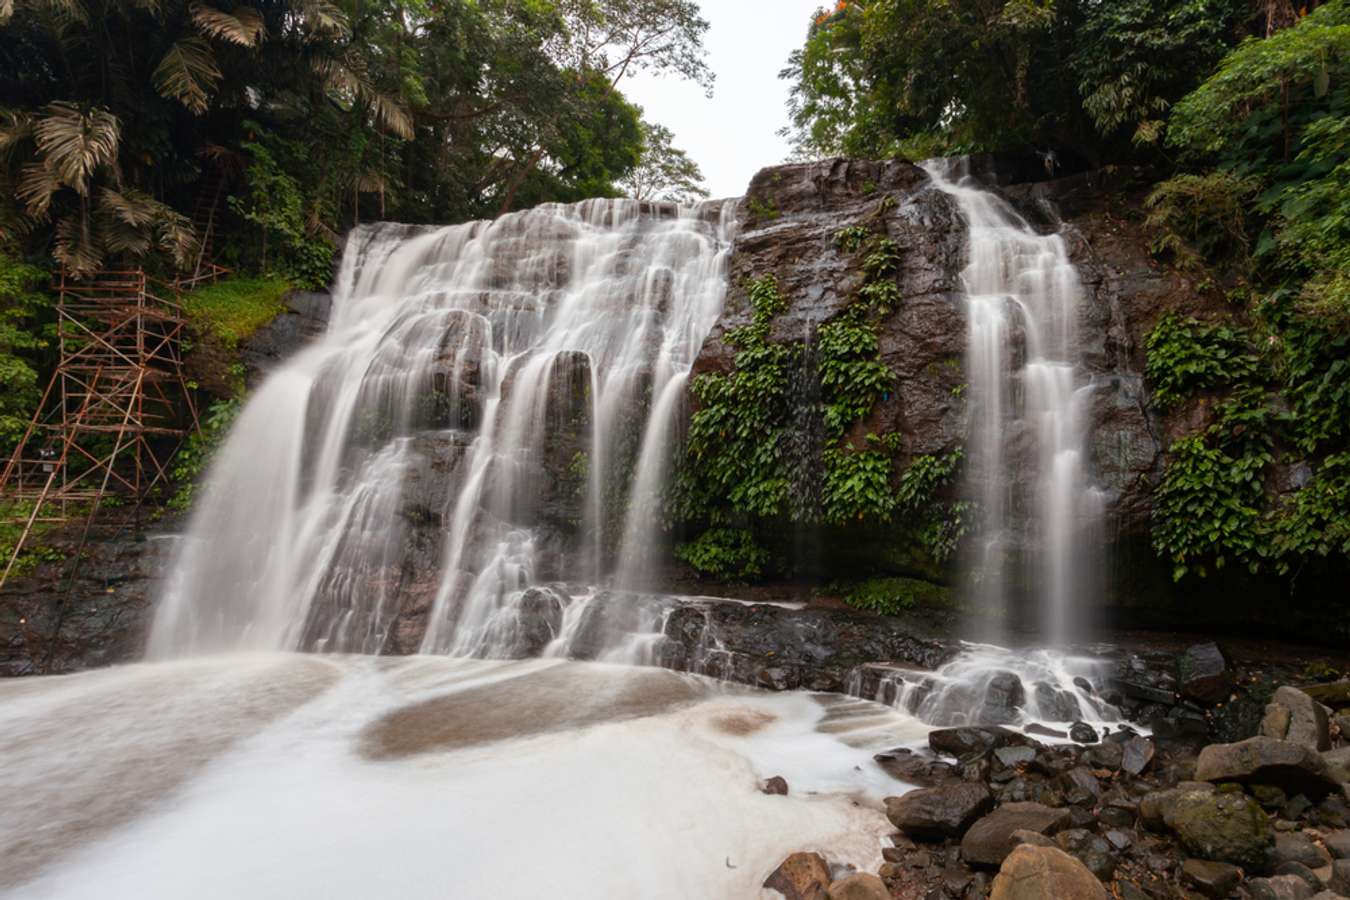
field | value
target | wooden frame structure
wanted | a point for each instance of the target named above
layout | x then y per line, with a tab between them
117	407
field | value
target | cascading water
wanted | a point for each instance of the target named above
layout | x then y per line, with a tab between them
1026	387
495	376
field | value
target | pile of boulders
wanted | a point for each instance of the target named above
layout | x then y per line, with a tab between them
999	814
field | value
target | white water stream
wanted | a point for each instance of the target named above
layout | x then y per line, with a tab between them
1027	386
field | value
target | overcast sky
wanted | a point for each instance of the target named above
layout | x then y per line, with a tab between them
733	135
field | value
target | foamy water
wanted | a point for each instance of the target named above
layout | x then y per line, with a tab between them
345	777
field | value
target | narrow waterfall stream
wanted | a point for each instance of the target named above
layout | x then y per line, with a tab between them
1026	388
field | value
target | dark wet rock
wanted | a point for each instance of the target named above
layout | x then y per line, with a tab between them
933	814
777	785
1203	674
1213	879
1080	786
783	648
802	876
1294	716
1120	839
1155	807
1298	870
1106	755
1092	850
1340	876
913	768
1082	733
1298	847
1261	760
1227	826
1035	873
989	840
1280	887
1138	755
1012	757
1054	704
1004	698
304	319
963	741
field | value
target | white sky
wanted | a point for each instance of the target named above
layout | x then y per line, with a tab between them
732	136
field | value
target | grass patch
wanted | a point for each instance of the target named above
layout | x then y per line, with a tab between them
233	309
889	596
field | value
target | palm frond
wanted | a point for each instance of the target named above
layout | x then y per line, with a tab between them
347	77
188	73
6	11
38	183
75	142
322	17
244	26
76	247
16	129
128	207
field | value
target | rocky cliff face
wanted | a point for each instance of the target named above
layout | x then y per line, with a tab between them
791	219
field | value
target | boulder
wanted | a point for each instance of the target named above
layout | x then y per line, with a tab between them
1035	873
1054	704
802	876
1280	887
1338	764
1293	716
1261	760
1155	807
1340	877
1202	674
970	739
1295	846
861	886
1004	697
932	814
989	841
906	765
1226	826
1338	842
1090	849
1035	838
1213	879
776	785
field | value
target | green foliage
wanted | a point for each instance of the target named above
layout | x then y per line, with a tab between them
24	313
233	309
193	460
1185	355
857	486
891	596
851	377
664	171
727	553
1199	219
852	238
762	209
923	78
1315	521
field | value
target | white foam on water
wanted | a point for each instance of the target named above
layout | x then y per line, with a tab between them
662	806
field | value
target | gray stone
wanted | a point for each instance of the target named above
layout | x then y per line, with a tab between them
1338	842
1338	764
989	840
1261	760
970	739
1293	716
1202	674
933	814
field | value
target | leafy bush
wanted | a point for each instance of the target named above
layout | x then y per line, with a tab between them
1201	219
891	596
1185	355
23	334
197	453
725	553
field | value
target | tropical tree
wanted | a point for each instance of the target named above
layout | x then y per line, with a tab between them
664	171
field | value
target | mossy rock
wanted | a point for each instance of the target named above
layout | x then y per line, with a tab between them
1227	826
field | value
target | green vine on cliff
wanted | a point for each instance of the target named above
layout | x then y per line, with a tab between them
1185	355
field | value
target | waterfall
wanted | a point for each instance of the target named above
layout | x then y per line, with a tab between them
514	383
1028	394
